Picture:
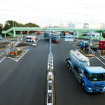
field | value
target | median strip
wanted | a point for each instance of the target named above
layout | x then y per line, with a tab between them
17	58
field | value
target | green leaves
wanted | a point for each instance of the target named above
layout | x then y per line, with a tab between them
1	27
11	23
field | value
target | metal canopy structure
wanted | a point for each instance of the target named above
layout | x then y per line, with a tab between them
79	32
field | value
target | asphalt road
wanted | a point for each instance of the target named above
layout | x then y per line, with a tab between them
24	82
68	90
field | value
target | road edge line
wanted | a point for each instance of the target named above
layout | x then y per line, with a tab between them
22	55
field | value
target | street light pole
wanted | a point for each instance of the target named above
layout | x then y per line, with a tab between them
90	41
50	40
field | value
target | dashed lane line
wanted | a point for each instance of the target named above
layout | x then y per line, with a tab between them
103	57
100	61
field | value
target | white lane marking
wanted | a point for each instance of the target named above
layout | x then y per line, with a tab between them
22	55
2	59
103	57
11	58
100	61
18	58
91	58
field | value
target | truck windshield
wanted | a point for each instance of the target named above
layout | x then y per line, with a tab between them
96	77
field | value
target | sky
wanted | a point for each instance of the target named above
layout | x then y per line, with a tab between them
54	12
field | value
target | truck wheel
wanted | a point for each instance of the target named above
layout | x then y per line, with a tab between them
83	85
69	67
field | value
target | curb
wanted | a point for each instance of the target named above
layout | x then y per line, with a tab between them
87	55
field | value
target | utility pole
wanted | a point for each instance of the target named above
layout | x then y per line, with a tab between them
90	41
50	40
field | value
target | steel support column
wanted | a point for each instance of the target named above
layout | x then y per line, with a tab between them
5	36
77	34
14	33
100	35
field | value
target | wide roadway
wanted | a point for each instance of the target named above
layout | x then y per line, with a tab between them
68	90
24	82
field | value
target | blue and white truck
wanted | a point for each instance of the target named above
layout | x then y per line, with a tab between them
91	78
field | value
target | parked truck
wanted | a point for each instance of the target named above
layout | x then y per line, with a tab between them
91	78
55	37
38	32
84	44
100	46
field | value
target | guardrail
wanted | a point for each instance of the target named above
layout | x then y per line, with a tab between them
50	81
50	62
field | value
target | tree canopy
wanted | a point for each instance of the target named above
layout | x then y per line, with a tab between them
1	27
11	23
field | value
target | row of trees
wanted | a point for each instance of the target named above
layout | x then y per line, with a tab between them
1	27
11	23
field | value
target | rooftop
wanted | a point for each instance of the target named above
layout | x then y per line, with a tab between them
95	69
79	55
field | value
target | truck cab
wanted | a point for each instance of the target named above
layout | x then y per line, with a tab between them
93	79
84	44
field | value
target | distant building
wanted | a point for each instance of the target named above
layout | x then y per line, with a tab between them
71	25
95	26
102	26
79	26
86	25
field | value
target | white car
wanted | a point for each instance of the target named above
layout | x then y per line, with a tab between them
34	44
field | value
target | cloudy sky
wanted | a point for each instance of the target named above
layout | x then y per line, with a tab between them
45	12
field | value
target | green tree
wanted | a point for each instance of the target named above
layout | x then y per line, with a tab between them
1	27
11	23
8	24
103	34
31	25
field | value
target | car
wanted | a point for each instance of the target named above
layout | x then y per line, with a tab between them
34	44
